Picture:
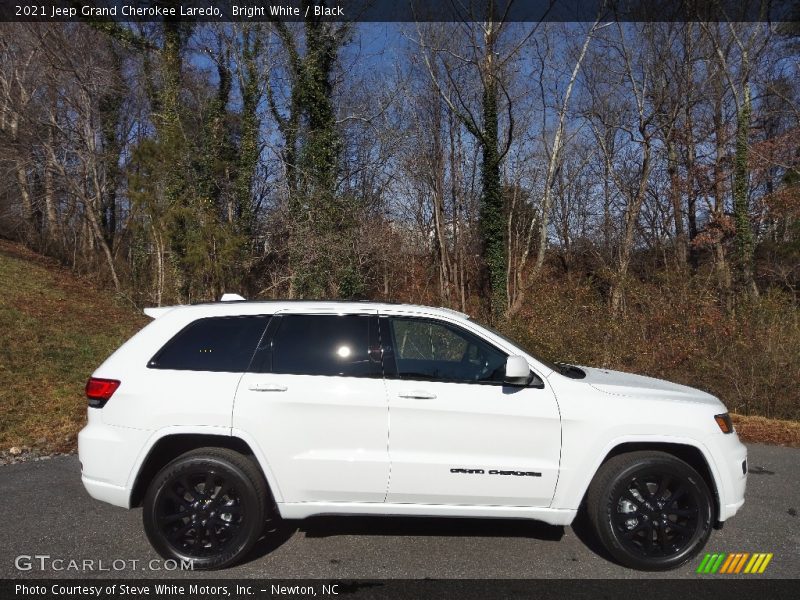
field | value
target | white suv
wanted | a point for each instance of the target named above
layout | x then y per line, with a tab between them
218	417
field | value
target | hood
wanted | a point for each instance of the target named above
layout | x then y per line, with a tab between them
639	386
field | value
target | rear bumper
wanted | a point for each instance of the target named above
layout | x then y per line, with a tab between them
106	492
108	455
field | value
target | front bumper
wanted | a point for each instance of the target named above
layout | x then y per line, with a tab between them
730	457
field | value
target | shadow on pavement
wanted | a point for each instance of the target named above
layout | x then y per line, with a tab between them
428	526
320	527
583	531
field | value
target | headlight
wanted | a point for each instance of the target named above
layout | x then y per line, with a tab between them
724	422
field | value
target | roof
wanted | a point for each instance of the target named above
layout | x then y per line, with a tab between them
231	307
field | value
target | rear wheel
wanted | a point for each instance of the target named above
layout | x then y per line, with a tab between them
207	506
650	510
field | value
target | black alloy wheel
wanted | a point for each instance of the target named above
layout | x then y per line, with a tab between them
650	510
656	514
201	513
207	506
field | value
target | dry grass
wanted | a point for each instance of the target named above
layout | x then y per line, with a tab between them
767	431
55	329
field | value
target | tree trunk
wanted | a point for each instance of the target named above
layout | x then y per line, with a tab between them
718	210
54	234
555	155
491	209
741	205
691	202
457	263
26	201
629	232
439	221
492	226
681	246
547	194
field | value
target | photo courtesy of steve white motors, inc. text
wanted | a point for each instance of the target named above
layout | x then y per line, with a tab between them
171	589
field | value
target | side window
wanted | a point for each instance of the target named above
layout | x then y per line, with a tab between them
433	350
325	345
224	344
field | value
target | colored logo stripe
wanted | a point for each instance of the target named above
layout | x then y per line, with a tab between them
727	564
734	563
758	563
703	563
740	563
711	563
765	563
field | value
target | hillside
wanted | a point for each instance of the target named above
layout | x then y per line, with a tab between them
55	329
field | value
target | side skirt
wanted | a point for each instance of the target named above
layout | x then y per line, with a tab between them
301	510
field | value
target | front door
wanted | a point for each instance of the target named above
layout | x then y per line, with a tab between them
316	403
458	435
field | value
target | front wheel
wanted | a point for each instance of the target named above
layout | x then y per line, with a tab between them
207	507
650	510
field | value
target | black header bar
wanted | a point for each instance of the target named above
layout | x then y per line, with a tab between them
244	11
196	588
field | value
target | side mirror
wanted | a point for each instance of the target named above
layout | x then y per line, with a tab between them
518	372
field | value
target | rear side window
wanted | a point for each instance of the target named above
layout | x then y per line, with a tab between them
326	345
224	344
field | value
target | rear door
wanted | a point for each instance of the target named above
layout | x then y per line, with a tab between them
315	402
458	434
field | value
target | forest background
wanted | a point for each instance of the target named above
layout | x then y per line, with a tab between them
615	194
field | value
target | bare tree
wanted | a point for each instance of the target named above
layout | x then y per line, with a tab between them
539	227
478	108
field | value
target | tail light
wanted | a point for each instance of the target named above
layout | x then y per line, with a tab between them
98	391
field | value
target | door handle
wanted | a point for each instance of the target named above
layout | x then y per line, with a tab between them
268	387
418	395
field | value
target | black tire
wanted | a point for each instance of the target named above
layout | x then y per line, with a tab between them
651	511
213	529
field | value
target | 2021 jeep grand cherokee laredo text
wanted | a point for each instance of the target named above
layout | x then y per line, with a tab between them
216	416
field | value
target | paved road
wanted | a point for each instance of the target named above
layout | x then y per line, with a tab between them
46	511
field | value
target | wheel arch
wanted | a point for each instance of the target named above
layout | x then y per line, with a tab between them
692	454
170	445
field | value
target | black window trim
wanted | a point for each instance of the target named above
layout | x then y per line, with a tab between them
263	350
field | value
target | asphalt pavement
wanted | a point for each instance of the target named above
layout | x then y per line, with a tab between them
46	512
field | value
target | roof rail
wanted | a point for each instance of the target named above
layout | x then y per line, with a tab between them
454	312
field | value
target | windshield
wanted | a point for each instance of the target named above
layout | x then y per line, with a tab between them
555	367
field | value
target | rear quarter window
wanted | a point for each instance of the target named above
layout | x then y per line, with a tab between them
222	344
